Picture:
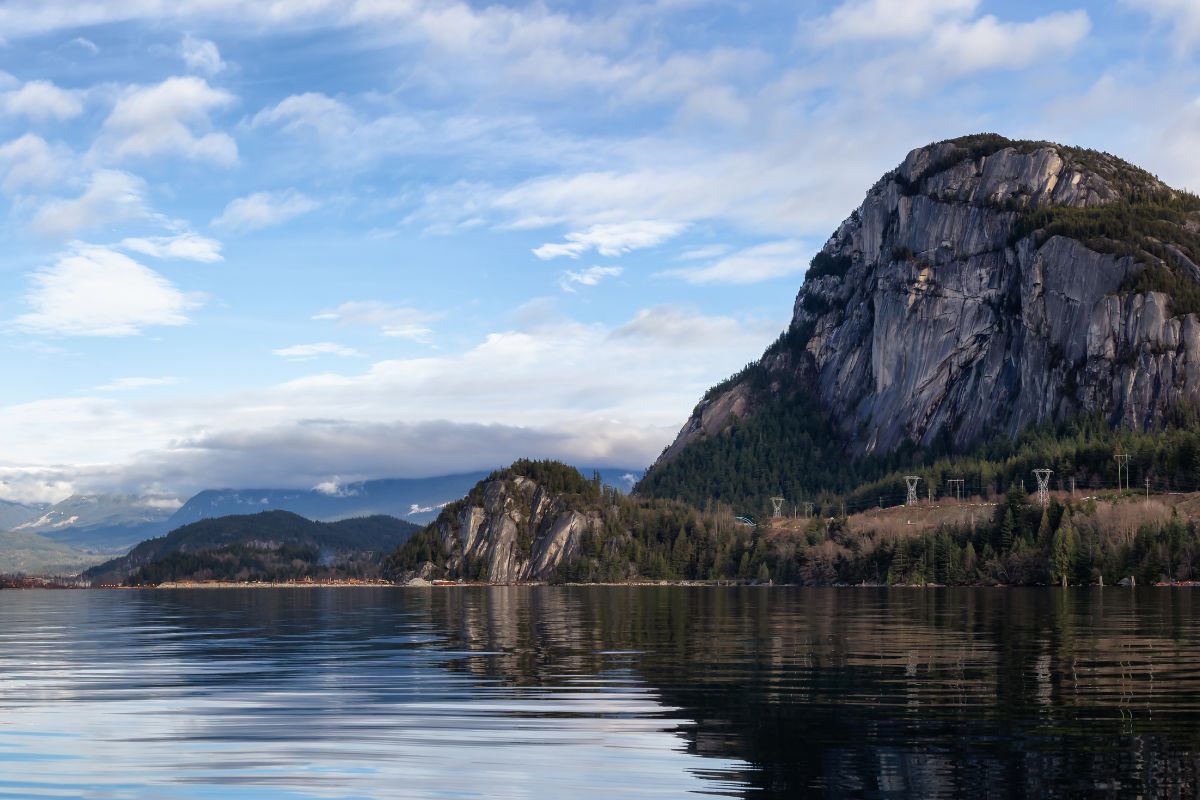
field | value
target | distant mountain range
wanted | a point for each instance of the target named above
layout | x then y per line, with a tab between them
77	530
267	546
99	523
13	514
413	499
30	554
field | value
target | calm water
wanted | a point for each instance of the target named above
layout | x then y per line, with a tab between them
605	692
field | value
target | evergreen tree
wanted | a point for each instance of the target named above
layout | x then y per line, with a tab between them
1043	533
681	554
1063	551
970	563
898	573
942	560
1007	526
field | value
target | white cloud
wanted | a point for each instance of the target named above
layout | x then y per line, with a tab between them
778	186
586	277
889	19
84	44
201	55
41	101
404	323
169	118
988	43
752	265
95	291
672	326
111	196
334	487
1181	17
612	239
130	384
264	209
953	40
704	252
589	393
31	162
310	111
1176	147
306	352
186	246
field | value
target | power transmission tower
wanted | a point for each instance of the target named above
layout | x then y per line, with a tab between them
911	480
808	509
777	502
1043	479
956	487
1122	463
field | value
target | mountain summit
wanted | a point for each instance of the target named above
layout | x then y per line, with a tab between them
984	286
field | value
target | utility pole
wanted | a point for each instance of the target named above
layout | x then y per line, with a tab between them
1072	488
1147	490
911	480
956	487
1043	480
1122	463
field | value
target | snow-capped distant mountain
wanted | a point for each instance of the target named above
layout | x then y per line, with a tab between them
113	524
411	499
13	514
100	523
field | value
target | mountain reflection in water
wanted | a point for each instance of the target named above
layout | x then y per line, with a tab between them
599	692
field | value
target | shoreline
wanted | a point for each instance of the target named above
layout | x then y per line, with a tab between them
216	585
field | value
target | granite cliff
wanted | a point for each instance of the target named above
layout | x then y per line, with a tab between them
512	530
542	521
984	286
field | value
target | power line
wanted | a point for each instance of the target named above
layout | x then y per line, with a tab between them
1122	460
911	480
1043	480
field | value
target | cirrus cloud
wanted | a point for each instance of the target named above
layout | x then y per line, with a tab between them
306	352
403	323
755	264
264	210
186	246
612	239
591	276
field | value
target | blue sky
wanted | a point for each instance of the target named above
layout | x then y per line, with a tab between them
297	242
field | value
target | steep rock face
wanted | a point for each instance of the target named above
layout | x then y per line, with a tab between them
935	310
513	530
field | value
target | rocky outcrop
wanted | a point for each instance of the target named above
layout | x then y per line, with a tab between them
942	308
511	529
